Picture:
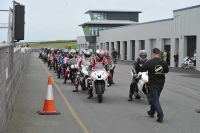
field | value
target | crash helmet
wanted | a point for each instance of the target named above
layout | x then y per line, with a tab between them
100	53
143	55
87	54
106	53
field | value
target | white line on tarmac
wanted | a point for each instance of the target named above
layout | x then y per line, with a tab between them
67	103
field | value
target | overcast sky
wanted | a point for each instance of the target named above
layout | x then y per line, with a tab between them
59	19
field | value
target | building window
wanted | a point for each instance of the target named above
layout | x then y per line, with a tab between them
99	15
94	31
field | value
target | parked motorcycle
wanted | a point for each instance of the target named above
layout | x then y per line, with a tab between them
141	89
99	78
187	63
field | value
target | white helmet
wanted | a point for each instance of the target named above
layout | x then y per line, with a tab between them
100	53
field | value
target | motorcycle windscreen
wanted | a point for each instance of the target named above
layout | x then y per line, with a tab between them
86	64
98	67
72	61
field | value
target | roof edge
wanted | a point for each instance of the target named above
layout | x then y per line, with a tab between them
89	11
187	8
141	23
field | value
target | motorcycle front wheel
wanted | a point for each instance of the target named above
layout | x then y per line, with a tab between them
100	93
184	66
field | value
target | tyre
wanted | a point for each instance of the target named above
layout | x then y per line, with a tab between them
136	94
74	77
83	87
100	93
184	66
58	73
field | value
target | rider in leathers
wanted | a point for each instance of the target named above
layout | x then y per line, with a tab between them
141	60
69	56
85	58
99	58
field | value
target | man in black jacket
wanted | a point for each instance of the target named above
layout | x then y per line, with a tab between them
156	68
114	54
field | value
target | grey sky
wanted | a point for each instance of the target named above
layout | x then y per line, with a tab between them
59	19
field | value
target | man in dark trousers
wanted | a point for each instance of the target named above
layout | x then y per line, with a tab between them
114	54
156	68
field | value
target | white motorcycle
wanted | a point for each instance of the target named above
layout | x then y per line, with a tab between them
187	63
142	89
99	78
84	78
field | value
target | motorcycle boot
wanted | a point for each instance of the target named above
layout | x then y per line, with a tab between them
108	84
65	79
90	92
76	84
130	97
76	88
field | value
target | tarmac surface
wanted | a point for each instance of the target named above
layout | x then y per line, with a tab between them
179	99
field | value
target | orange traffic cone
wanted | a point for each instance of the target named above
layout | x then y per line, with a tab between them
49	108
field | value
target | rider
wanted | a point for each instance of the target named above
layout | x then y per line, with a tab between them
109	59
99	58
141	60
66	71
85	57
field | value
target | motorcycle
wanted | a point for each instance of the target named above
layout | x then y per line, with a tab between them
187	63
99	78
72	69
84	78
141	89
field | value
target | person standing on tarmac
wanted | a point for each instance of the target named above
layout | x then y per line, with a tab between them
156	68
114	54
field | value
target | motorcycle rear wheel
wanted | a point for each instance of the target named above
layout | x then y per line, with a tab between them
100	93
83	87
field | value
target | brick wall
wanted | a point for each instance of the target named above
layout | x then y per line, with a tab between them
10	79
